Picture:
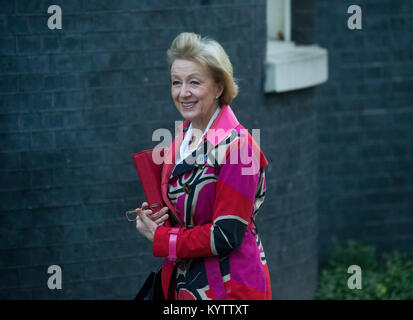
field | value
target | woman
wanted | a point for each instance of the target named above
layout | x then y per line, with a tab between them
213	185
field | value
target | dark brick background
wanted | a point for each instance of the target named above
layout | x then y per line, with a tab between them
365	125
76	103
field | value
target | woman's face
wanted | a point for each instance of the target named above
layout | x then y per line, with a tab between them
194	92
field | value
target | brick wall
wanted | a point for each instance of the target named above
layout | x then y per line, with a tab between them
288	123
365	125
289	223
77	102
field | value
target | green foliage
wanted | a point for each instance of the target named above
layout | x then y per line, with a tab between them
386	277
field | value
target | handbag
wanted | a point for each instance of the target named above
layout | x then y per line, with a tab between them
150	176
152	287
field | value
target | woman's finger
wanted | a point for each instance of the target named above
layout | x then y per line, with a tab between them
145	226
146	212
147	221
159	214
138	223
162	219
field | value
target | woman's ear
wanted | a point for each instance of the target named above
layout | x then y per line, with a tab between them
220	88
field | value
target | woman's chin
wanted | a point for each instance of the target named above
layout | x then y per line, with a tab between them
189	114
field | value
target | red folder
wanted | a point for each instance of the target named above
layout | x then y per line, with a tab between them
149	173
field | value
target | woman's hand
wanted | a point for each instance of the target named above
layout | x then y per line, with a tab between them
159	217
146	223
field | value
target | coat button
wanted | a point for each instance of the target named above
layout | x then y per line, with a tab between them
186	188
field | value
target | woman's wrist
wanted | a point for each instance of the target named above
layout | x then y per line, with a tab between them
160	244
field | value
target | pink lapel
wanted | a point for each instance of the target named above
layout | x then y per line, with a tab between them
223	123
168	166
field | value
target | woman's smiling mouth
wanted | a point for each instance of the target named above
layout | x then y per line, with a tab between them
188	105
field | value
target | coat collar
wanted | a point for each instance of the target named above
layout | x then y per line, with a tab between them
223	123
219	129
222	126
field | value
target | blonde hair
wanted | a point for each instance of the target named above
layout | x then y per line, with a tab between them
208	53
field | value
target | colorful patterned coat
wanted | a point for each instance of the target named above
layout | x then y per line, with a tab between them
214	200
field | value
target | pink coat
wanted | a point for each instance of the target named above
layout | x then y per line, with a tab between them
214	201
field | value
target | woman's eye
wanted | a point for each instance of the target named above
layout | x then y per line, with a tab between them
193	82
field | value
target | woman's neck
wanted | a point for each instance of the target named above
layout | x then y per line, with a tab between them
198	127
202	123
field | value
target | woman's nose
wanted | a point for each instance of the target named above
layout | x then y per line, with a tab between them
185	92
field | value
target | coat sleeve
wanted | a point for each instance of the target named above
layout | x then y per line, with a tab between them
234	205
